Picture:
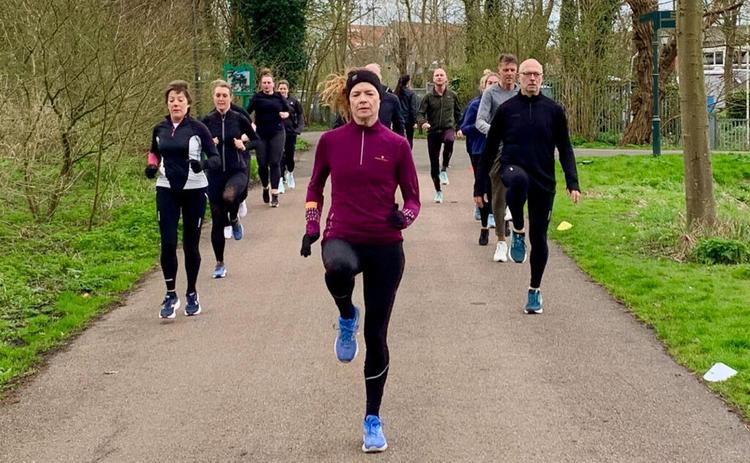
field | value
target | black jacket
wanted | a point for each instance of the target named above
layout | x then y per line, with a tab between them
295	123
226	127
530	128
409	106
267	109
175	147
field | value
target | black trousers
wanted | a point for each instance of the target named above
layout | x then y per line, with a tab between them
225	192
269	151
287	161
382	267
520	191
486	210
170	204
436	140
409	130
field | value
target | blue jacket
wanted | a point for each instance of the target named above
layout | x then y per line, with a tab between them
475	140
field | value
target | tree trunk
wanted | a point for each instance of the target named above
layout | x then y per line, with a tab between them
638	131
698	177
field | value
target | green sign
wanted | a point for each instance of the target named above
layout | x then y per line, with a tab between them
241	78
661	19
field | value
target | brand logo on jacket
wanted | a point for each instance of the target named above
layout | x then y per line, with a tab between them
381	158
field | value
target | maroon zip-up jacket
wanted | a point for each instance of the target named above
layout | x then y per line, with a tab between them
366	165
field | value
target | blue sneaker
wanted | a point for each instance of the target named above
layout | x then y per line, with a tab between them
491	221
346	340
169	305
517	247
477	214
374	440
534	304
237	229
220	271
193	307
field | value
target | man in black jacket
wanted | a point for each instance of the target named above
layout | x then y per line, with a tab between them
530	127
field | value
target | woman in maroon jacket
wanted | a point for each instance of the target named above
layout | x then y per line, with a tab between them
366	162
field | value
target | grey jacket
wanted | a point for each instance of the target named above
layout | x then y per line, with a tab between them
492	98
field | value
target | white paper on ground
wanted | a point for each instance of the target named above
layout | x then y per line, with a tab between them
719	372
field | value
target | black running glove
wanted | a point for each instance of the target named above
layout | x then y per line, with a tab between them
151	171
212	163
307	242
397	220
196	166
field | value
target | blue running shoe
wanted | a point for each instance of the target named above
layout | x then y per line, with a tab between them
491	221
374	440
534	304
477	214
220	271
193	307
237	229
169	305
517	247
346	340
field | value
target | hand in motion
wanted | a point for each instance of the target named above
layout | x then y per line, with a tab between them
196	166
216	140
307	242
575	196
284	114
239	144
459	134
151	170
480	201
426	126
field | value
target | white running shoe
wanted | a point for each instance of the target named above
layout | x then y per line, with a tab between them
501	252
228	232
439	197
243	209
444	178
508	216
281	188
290	180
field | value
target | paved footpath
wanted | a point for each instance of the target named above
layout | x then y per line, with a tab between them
472	379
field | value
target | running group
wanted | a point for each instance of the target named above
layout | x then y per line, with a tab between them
512	131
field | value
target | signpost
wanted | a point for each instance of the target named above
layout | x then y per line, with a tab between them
242	80
660	20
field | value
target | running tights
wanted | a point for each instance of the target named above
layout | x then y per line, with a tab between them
486	210
269	151
169	205
288	160
226	192
520	191
382	267
436	140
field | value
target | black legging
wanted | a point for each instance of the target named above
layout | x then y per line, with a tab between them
486	210
269	151
409	129
288	160
225	192
382	267
169	205
434	141
520	190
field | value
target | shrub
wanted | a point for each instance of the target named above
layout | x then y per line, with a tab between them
721	251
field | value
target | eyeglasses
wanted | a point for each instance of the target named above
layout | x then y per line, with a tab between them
536	75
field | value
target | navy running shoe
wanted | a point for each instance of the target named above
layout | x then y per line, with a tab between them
346	339
238	231
169	305
193	306
534	304
517	247
373	437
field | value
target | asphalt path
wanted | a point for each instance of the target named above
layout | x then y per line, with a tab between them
472	379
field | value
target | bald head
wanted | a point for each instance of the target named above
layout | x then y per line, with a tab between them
375	68
532	73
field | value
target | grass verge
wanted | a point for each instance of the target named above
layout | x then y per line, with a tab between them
629	235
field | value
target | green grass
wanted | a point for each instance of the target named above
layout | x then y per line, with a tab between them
629	235
55	277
